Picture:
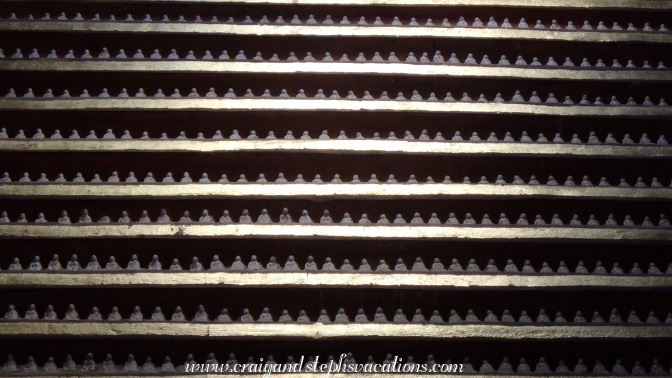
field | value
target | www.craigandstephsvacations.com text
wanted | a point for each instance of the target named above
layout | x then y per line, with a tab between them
328	368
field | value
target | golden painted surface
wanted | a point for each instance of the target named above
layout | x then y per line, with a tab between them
331	279
511	233
304	375
266	104
350	146
363	190
335	31
320	68
588	4
317	331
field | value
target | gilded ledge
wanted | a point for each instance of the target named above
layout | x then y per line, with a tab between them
310	375
568	4
350	146
257	331
333	279
492	233
265	104
327	190
335	31
337	68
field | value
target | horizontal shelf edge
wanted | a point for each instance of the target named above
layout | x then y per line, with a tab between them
568	4
314	375
334	31
265	104
407	280
326	190
336	68
493	233
318	331
350	146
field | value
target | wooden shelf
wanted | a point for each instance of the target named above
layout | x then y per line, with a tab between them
483	233
563	4
337	68
309	190
311	375
314	105
350	146
410	280
349	31
259	331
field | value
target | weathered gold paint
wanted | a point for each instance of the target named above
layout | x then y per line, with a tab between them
334	31
332	280
336	68
570	4
314	105
510	233
363	190
306	375
317	331
350	146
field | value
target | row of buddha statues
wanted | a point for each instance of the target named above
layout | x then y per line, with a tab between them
109	134
362	21
326	219
291	265
341	317
392	57
517	97
186	178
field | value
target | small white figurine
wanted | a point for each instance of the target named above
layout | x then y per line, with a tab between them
195	266
114	315
93	264
73	264
71	314
178	315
